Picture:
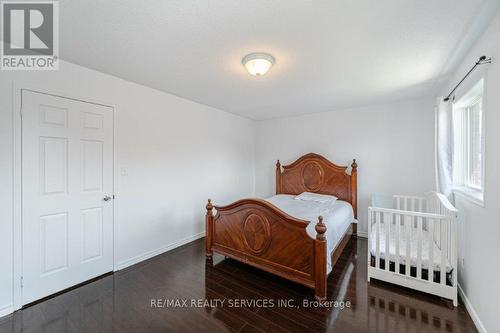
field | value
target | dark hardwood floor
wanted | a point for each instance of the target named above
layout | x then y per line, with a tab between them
122	302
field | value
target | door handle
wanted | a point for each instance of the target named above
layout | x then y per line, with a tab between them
106	198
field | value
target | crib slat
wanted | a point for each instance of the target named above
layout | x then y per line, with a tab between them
370	221
408	244
398	234
387	224
431	249
419	247
377	244
451	241
444	249
455	250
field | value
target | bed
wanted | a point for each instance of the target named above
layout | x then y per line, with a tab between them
298	241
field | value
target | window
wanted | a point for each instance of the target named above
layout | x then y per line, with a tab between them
468	126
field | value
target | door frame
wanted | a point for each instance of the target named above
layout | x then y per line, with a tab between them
17	90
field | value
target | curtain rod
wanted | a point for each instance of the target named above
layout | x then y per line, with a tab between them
482	60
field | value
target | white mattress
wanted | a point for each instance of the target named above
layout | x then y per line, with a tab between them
337	217
402	248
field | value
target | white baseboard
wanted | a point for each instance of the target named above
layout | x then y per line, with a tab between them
362	234
473	314
7	310
151	254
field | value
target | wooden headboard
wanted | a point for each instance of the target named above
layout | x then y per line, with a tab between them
314	173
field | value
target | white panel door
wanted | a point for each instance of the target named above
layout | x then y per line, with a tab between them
67	170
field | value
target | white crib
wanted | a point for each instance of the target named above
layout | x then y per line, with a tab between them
412	242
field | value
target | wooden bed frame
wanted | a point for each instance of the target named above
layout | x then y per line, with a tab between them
258	233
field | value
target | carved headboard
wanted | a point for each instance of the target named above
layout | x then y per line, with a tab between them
314	173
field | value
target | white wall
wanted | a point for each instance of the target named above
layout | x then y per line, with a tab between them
479	227
177	153
392	143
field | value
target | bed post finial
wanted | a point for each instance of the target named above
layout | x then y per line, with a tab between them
209	206
278	177
354	165
209	225
320	229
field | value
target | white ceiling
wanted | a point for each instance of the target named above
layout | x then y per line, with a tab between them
329	54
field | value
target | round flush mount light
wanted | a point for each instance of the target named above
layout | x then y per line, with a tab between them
258	64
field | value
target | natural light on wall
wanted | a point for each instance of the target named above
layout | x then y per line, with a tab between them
468	128
258	64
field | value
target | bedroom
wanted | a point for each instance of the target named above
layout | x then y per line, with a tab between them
181	119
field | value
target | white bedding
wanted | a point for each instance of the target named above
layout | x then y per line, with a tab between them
337	217
402	248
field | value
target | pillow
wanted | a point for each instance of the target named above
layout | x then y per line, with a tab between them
321	198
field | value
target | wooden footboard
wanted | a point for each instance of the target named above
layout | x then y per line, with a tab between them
258	233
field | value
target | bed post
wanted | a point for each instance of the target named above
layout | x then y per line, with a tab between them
209	221
278	177
320	261
354	193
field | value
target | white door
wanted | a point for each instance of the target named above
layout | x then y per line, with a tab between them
67	189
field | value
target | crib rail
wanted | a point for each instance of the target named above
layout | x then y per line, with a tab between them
413	234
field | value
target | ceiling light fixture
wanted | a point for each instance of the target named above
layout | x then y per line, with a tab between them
258	64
